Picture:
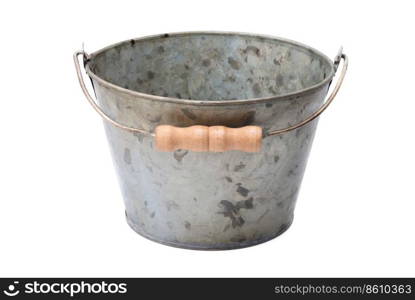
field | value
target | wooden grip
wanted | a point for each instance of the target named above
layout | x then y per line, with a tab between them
203	138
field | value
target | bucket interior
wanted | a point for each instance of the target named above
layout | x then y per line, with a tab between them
202	66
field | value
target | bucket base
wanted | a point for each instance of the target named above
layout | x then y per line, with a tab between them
228	246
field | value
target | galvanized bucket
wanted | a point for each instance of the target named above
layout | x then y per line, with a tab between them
232	181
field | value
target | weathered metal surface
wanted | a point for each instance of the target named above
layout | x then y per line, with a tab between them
210	200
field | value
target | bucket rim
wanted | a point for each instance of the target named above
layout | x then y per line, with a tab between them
286	96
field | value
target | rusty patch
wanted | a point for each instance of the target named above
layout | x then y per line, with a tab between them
187	225
188	113
241	190
127	156
179	154
231	211
239	167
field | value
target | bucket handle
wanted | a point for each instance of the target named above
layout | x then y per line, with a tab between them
213	138
340	56
92	100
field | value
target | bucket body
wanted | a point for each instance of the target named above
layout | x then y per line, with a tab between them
204	200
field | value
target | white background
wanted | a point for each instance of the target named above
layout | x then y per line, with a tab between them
61	212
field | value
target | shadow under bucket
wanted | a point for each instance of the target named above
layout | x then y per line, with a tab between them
232	181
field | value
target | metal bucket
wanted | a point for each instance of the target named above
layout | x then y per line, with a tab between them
210	200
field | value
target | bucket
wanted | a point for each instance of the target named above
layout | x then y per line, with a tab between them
210	131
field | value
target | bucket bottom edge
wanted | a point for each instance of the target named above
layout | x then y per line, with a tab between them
213	247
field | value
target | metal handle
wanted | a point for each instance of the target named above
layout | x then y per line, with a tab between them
330	98
340	56
92	101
